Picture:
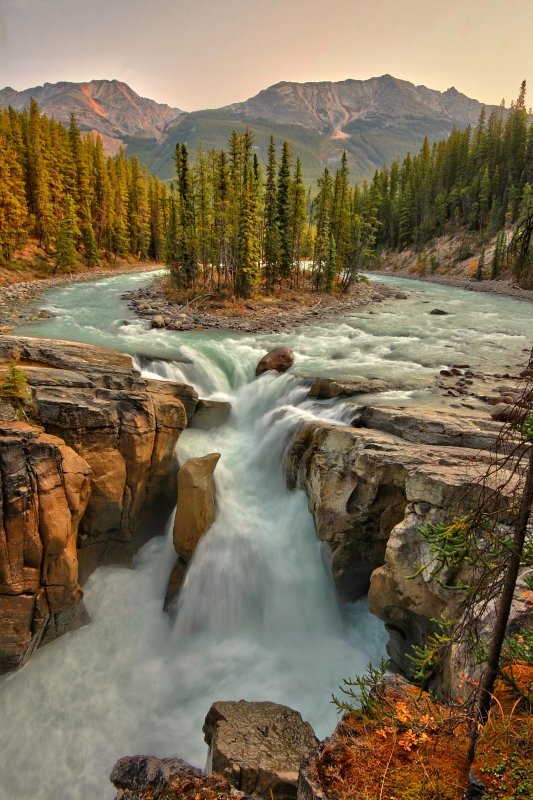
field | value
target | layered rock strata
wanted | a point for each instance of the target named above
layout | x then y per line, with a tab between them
45	488
370	491
82	484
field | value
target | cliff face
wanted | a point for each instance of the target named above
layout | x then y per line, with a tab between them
84	485
45	490
371	490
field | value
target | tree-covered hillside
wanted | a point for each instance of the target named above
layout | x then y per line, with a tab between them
475	180
58	188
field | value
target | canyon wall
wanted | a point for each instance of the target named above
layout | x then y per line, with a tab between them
86	479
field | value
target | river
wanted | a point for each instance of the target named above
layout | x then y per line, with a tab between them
257	617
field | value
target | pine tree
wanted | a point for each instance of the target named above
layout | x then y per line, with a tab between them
271	237
69	233
481	265
284	214
323	221
248	270
498	255
187	263
89	241
298	216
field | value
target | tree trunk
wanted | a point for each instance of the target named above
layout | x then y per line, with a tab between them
486	686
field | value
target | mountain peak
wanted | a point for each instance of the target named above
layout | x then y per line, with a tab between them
110	107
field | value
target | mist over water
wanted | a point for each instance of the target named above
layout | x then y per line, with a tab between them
257	617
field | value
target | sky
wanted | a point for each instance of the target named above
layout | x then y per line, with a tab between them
197	54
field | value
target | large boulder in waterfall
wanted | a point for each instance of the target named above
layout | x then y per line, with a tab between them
150	778
258	747
278	359
210	414
195	511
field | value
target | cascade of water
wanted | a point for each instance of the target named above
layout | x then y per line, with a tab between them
257	617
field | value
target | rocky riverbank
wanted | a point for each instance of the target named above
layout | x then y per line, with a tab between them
15	296
505	287
268	315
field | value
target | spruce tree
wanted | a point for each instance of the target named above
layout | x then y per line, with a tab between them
481	265
284	214
298	216
69	234
271	237
89	241
323	221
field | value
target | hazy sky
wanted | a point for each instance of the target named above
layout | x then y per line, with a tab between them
207	53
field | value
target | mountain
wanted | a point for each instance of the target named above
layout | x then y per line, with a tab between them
375	120
109	107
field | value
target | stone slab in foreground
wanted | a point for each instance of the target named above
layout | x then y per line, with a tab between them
258	747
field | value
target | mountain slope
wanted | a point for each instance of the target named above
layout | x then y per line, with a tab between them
375	121
109	107
384	102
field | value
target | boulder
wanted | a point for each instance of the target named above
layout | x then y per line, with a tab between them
439	312
195	512
149	778
210	414
278	359
158	321
506	412
258	747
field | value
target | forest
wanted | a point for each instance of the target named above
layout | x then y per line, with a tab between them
229	223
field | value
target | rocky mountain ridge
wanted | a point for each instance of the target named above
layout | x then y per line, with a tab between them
109	107
374	120
333	106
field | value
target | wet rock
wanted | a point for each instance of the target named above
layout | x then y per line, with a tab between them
400	296
149	778
195	512
505	412
369	493
175	581
44	314
439	312
180	391
210	414
258	747
158	321
278	359
327	388
428	427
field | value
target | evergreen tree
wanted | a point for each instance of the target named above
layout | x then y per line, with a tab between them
69	233
271	238
498	256
284	214
298	211
481	265
323	230
89	241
